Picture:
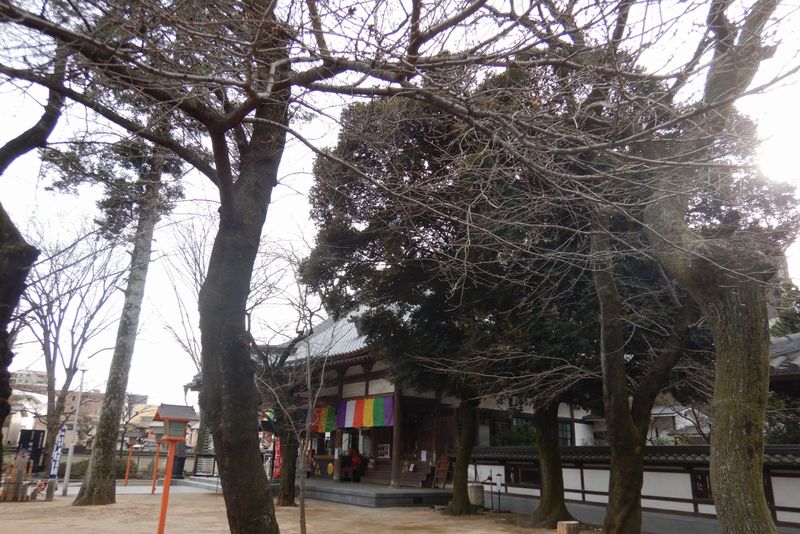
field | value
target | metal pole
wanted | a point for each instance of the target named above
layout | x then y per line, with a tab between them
72	444
491	489
498	492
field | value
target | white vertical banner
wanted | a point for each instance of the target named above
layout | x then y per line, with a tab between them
56	459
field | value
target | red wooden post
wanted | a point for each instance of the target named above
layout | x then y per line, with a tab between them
175	419
165	494
155	467
128	467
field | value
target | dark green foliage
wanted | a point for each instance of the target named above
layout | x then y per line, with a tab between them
518	435
128	170
365	250
788	321
783	419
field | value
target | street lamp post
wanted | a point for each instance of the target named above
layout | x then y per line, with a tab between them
72	444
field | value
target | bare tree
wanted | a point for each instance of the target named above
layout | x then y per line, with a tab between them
726	273
186	272
292	379
293	375
16	255
65	308
230	88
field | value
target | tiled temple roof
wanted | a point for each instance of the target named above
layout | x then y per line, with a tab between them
334	338
774	455
784	355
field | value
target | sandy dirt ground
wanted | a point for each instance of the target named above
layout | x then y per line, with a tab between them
204	513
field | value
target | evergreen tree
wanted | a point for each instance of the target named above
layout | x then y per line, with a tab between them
135	196
788	321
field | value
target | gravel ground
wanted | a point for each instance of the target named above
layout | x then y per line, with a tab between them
204	513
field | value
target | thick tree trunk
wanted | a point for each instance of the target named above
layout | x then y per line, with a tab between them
467	431
229	396
735	304
289	448
736	309
624	510
726	277
740	402
727	280
99	485
16	259
552	508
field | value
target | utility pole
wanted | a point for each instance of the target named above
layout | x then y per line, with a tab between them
72	445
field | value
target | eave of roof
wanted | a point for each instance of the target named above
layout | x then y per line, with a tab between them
784	355
774	456
334	338
176	412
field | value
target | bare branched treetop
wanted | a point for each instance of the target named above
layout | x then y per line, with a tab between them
596	84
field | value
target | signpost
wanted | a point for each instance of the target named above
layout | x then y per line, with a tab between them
54	461
68	471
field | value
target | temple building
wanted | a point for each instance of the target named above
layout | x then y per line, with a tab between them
401	433
360	408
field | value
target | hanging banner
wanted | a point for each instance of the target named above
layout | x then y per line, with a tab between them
324	419
276	464
366	412
56	458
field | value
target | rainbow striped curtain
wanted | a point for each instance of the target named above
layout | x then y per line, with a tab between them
366	412
324	419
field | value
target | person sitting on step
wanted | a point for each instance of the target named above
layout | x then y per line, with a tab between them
355	465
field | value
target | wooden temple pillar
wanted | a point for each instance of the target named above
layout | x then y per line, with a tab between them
397	438
338	432
367	367
435	438
337	462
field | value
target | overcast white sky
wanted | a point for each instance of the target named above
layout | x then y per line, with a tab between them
159	367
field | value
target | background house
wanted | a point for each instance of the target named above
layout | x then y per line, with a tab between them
24	409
